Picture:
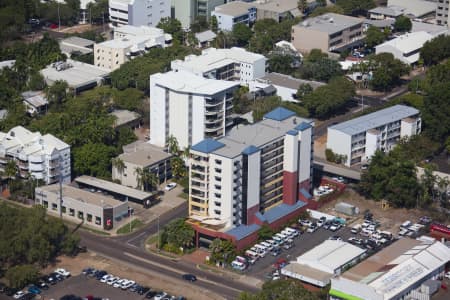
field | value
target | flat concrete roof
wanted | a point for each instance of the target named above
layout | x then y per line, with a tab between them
235	8
289	81
304	272
81	195
112	187
144	155
124	116
78	75
330	23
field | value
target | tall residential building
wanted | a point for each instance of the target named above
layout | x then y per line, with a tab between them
360	138
189	107
40	156
442	15
254	174
138	12
186	11
235	64
328	32
129	42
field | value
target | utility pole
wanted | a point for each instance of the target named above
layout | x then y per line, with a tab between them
59	19
158	246
60	187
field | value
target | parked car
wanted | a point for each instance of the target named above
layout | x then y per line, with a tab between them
189	277
112	280
63	272
312	228
305	222
143	289
34	289
19	294
151	294
276	251
127	284
288	246
160	295
99	274
88	271
119	283
106	277
447	275
170	186
42	285
335	238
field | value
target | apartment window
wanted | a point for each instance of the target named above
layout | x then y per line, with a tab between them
45	204
217	178
217	195
98	220
217	212
54	206
71	212
89	218
63	209
80	215
218	161
218	187
218	170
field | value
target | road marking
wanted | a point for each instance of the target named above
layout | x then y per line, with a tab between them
177	271
136	237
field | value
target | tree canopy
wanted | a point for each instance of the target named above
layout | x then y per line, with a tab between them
402	24
283	290
387	71
317	66
177	234
435	50
374	36
355	7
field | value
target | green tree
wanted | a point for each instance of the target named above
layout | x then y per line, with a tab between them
213	24
98	11
402	24
57	92
241	34
436	113
200	24
387	71
355	7
173	27
178	167
93	159
36	82
322	3
179	234
11	170
20	276
302	5
320	10
435	50
222	251
304	90
318	66
281	289
172	145
374	36
265	232
280	63
118	163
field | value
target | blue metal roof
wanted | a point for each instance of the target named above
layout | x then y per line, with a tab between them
279	114
282	210
303	126
260	216
207	146
243	231
250	150
305	193
292	132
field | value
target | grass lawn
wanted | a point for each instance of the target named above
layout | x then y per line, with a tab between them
135	224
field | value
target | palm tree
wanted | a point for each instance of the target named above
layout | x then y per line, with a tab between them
172	145
178	167
146	180
118	163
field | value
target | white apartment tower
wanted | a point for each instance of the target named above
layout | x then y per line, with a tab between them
39	156
138	12
189	107
360	138
251	171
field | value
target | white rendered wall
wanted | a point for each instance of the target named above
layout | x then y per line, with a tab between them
254	176
340	143
372	144
198	119
286	93
226	190
148	12
290	162
179	118
304	168
157	114
408	128
224	22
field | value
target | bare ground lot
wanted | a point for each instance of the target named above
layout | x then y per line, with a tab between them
390	218
142	276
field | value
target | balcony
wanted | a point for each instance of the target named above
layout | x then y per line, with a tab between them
36	167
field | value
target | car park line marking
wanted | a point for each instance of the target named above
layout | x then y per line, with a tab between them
177	271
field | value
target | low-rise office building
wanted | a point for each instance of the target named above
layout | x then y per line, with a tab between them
235	64
358	139
126	119
278	10
405	47
286	86
138	12
233	13
323	262
205	38
393	273
415	9
43	157
189	107
35	102
386	12
144	156
259	173
78	75
328	32
128	42
91	208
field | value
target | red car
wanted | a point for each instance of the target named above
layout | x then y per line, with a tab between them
53	26
280	263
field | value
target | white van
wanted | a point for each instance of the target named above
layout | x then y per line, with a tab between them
261	250
282	236
237	265
251	254
278	240
267	245
356	228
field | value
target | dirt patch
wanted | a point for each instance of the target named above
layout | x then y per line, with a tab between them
390	218
145	277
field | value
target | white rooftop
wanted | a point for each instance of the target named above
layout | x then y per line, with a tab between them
416	8
392	11
77	75
213	58
375	119
186	82
330	23
125	42
234	9
330	255
411	269
407	43
139	30
432	29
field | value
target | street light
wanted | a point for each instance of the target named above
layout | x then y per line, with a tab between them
157	241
